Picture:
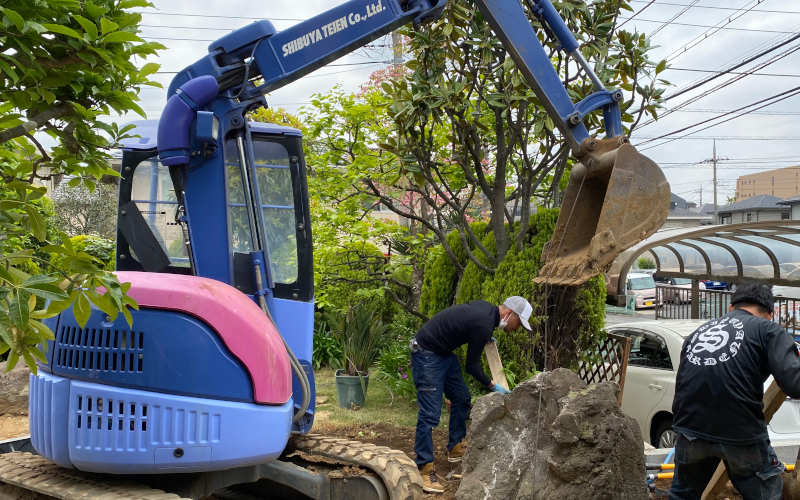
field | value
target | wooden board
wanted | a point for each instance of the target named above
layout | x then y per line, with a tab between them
773	399
495	365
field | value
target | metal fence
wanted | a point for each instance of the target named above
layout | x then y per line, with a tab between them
677	303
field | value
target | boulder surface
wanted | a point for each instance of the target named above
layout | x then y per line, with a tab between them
553	438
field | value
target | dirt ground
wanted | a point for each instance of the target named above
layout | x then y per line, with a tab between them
12	426
402	438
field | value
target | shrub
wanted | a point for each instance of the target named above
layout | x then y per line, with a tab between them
327	348
521	351
360	332
645	263
394	368
348	274
95	248
471	283
441	273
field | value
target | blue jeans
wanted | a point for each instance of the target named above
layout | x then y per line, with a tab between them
753	469
434	375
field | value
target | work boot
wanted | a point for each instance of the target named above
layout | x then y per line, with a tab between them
457	452
430	481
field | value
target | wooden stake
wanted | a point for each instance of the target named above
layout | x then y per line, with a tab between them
495	365
773	399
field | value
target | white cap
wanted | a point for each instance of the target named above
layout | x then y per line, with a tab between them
522	307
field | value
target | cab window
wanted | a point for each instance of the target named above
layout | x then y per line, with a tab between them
276	196
152	191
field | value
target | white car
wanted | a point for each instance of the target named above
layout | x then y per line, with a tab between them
650	381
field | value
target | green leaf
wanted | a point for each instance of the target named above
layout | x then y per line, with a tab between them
30	361
107	26
128	4
13	358
82	310
104	303
7	69
661	66
57	307
37	222
47	292
63	30
88	26
18	311
149	69
121	36
14	17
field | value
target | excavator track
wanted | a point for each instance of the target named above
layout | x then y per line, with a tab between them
36	474
397	471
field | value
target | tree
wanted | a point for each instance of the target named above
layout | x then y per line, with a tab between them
343	131
64	67
80	210
468	127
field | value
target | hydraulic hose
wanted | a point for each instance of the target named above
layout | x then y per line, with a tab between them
297	368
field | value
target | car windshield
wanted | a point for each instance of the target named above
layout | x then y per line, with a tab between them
642	283
682	281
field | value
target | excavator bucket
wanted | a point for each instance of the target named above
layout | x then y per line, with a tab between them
616	197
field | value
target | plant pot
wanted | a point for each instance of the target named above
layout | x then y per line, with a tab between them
351	390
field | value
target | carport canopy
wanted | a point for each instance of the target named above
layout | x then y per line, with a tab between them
765	251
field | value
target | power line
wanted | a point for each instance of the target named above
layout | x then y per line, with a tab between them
636	14
728	82
698	70
770	11
711	31
184	14
363	63
736	138
734	67
722	111
693	25
673	18
775	99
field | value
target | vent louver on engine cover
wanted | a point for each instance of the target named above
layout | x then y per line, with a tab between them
100	349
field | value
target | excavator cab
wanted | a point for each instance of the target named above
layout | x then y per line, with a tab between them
616	197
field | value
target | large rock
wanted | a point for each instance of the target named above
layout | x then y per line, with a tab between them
14	390
553	438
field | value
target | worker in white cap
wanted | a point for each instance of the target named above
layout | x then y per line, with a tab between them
437	372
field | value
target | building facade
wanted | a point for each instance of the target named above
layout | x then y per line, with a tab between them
781	183
758	208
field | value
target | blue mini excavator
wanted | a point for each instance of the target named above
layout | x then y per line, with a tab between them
211	392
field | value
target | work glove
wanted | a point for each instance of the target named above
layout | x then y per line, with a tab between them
499	388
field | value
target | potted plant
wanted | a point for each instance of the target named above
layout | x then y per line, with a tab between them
359	331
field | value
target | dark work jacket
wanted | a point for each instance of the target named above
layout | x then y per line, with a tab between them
471	323
720	383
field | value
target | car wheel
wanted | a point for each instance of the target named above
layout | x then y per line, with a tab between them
665	436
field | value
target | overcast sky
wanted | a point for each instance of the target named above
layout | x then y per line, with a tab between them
696	48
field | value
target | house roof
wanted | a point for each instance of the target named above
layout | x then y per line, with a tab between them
677	202
760	202
707	209
794	200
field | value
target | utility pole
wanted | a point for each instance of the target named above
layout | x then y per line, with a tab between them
714	163
397	48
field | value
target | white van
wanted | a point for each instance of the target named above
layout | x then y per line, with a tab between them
643	287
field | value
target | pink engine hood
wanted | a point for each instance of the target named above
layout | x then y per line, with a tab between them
241	325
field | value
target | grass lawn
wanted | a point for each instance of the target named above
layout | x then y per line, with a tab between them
379	406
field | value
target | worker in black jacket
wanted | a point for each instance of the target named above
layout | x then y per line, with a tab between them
718	412
436	370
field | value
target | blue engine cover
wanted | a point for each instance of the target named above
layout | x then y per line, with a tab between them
165	351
